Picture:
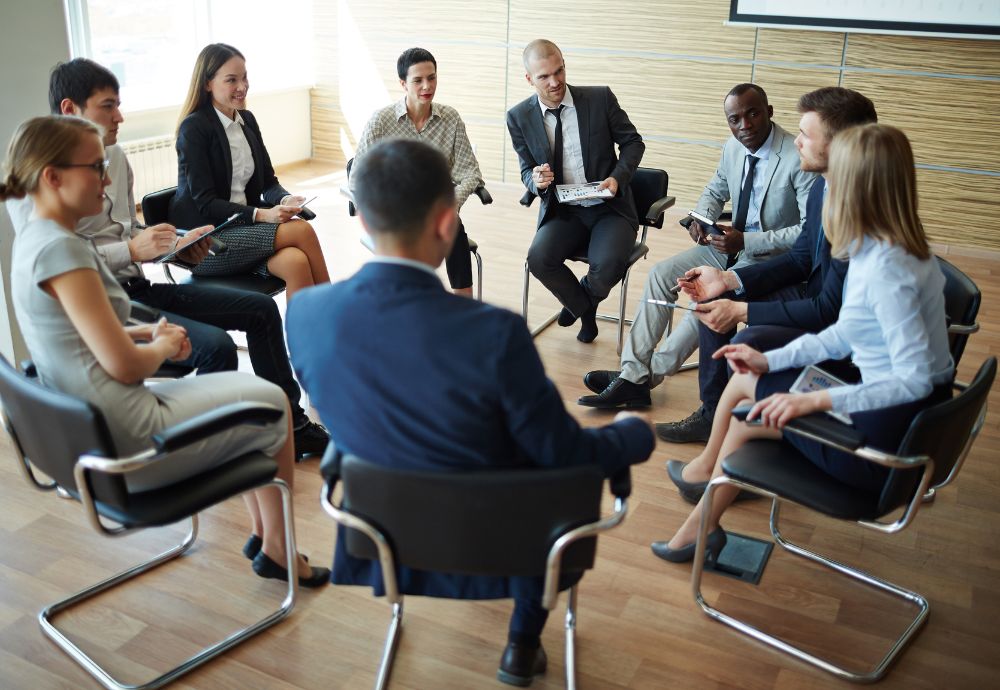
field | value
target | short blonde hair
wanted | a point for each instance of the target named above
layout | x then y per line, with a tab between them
540	48
872	191
37	144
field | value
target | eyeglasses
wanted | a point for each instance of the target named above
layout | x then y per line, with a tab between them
100	167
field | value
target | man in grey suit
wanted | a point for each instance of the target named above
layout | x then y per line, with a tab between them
760	172
567	135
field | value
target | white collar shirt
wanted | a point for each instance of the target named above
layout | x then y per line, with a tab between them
759	176
239	150
572	153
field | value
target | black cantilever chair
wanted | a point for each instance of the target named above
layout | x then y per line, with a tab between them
68	440
463	523
154	210
649	189
961	303
484	197
933	449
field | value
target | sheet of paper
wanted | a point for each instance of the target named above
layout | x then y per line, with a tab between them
581	192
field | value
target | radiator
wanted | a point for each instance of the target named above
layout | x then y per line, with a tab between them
154	163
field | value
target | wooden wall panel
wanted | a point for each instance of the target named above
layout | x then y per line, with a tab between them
959	209
812	47
912	53
950	122
670	63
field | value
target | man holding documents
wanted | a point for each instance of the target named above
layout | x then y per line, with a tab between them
566	135
86	89
759	173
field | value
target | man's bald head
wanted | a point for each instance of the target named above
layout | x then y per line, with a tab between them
540	48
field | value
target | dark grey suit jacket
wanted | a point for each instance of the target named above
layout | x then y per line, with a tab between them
602	124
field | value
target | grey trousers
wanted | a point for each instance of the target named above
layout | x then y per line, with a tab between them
641	360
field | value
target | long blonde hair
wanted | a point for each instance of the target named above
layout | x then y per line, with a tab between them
210	60
37	144
872	191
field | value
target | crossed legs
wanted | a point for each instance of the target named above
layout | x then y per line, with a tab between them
298	259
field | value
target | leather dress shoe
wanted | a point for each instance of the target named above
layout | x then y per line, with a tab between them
265	567
520	664
620	393
714	544
599	379
692	491
694	429
310	439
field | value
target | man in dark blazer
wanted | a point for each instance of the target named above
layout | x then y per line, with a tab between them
567	135
783	297
410	376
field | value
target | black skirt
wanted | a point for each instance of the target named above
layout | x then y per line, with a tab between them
249	248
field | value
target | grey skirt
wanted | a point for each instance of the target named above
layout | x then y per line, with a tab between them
250	246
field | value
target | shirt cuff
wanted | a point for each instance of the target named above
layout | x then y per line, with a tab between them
117	256
739	290
253	215
839	398
778	360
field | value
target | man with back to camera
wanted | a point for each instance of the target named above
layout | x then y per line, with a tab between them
784	297
467	390
759	172
86	89
567	135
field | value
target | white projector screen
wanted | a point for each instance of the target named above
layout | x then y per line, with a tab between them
957	18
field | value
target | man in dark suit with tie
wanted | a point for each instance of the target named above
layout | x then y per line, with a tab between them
783	297
567	135
410	376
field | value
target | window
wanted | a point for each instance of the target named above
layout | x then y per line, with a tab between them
151	45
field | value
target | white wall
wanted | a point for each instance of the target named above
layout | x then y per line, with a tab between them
33	37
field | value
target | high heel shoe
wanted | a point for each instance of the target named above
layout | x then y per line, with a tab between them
713	547
692	491
265	567
252	547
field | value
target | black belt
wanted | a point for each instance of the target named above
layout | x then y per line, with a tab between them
134	284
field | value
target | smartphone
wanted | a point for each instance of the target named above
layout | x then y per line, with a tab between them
671	305
305	213
706	222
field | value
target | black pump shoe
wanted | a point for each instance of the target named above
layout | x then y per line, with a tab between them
265	567
713	547
252	547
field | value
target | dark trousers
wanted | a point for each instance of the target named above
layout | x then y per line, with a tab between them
713	374
459	262
208	312
597	232
527	621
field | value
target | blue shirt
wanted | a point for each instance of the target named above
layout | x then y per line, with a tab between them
892	323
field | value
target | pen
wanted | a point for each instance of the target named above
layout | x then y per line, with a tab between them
669	305
675	288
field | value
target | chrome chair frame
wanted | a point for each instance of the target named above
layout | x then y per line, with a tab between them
550	593
909	513
88	464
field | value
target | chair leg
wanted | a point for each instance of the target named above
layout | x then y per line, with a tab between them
479	276
103	677
621	310
391	643
879	670
571	639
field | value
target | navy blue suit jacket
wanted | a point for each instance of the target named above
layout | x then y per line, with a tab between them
808	261
407	375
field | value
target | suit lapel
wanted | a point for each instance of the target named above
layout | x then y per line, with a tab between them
538	141
220	131
583	128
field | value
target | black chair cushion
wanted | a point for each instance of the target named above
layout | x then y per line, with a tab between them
270	286
783	470
176	502
473	522
155	206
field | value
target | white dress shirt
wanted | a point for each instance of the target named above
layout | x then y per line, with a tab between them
892	323
572	153
239	150
759	176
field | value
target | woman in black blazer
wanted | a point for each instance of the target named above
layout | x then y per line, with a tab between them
223	168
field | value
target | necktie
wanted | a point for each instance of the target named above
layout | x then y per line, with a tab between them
744	203
557	146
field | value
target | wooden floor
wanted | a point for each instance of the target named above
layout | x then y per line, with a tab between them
638	625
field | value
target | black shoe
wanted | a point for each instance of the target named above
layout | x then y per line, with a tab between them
566	318
599	379
310	440
713	547
265	567
588	325
692	491
520	664
252	547
620	393
695	429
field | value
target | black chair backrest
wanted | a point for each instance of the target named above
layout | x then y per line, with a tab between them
940	432
474	522
649	185
961	303
351	210
155	206
52	430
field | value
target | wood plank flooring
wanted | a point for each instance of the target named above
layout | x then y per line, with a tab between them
638	625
